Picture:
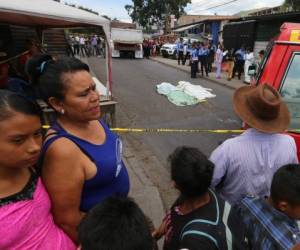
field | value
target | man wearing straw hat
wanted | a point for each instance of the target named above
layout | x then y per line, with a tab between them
245	164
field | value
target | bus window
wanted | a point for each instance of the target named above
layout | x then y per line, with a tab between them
290	90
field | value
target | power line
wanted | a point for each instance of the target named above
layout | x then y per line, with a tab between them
219	5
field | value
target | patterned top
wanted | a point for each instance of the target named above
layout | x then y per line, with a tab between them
27	223
25	194
266	227
245	164
215	225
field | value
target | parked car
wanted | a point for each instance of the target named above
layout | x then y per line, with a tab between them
169	50
280	68
188	40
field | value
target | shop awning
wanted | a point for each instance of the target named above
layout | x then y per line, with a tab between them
48	14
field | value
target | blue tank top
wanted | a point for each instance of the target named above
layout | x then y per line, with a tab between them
111	178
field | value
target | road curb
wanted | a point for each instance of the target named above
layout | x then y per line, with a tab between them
188	71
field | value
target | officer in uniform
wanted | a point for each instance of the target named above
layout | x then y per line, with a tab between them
179	50
194	61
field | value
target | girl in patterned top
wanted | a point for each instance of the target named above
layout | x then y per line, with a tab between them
25	218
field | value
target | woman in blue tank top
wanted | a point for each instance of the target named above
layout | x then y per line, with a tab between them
81	158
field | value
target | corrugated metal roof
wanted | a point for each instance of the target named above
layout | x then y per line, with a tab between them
205	18
185	28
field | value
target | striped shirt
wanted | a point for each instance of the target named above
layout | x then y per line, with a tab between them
216	225
245	165
267	228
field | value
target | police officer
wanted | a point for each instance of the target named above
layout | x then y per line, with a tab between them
194	61
179	50
203	58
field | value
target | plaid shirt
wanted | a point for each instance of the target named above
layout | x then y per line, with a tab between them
267	228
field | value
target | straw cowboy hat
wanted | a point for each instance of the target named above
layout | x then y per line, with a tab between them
262	108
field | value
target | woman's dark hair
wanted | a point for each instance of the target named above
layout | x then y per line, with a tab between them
10	101
46	74
191	171
286	184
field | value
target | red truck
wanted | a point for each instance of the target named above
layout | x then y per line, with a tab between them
281	69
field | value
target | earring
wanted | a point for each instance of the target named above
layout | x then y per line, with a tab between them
62	111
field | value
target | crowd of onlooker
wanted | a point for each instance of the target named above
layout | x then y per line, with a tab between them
68	187
86	45
202	56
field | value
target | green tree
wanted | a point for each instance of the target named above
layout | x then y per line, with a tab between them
293	4
149	12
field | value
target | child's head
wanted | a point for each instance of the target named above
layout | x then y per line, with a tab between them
115	224
191	171
20	131
285	190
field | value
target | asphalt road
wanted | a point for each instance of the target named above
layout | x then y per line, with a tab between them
140	106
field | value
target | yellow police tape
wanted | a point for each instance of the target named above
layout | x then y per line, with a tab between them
169	130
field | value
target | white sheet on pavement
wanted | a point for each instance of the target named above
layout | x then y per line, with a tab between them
165	88
195	90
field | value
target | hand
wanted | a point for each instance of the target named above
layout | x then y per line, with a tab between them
158	233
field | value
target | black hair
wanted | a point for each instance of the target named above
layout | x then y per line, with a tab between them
11	101
191	171
116	224
47	74
286	184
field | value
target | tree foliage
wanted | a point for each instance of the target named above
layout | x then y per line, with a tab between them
294	4
149	12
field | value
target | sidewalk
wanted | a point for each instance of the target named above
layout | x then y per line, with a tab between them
144	169
233	84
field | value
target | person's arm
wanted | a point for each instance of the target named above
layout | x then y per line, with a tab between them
163	228
219	158
294	157
63	175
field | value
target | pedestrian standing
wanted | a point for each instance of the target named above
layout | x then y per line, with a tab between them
272	223
100	45
211	56
185	53
249	61
218	61
261	55
179	50
26	221
239	62
194	61
230	63
88	47
71	49
94	43
76	45
199	218
245	165
78	144
82	51
203	58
